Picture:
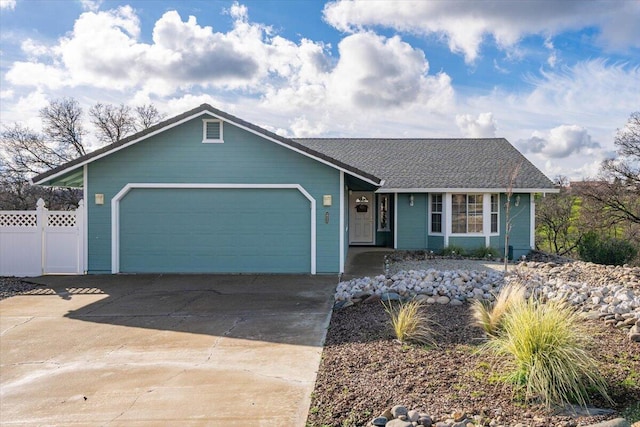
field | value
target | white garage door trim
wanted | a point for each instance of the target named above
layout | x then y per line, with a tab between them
115	212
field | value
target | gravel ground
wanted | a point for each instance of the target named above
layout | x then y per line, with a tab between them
365	371
10	286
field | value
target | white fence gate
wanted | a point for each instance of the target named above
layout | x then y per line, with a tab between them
39	242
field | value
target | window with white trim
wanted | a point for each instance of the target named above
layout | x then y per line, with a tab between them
212	131
495	208
466	213
436	213
383	213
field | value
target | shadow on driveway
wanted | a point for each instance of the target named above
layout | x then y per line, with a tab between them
146	350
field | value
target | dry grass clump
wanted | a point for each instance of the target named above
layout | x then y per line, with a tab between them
544	351
489	316
410	322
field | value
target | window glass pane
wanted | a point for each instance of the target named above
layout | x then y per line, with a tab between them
436	223
494	222
474	221
494	203
383	213
458	213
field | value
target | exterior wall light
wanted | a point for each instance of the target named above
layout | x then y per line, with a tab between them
411	200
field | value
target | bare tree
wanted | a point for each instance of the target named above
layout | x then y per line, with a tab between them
112	123
26	153
62	123
146	116
116	122
618	189
556	217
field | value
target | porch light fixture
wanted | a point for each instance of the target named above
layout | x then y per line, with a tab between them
411	200
517	201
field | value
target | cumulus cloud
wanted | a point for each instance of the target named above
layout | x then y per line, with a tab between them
7	4
559	142
482	126
465	25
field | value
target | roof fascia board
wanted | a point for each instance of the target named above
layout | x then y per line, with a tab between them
467	190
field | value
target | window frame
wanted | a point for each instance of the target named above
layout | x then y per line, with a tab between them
468	212
206	140
492	213
431	212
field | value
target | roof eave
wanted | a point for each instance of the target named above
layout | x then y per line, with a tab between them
467	190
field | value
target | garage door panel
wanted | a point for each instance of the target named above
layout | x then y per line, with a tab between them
215	230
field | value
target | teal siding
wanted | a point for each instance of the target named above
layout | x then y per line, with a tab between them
188	230
467	242
412	221
436	243
178	155
520	224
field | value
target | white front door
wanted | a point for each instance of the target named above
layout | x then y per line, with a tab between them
361	217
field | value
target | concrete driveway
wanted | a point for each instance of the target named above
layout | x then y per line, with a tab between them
135	350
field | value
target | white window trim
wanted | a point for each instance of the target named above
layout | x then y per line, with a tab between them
496	233
204	132
115	212
442	219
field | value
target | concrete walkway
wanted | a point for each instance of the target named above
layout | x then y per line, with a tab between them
364	261
163	350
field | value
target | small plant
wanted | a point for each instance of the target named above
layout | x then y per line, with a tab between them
410	322
453	251
489	315
485	253
545	353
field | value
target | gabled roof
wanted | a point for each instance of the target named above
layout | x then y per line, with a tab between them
73	167
391	164
435	164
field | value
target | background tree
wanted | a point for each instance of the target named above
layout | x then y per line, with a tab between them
556	216
618	188
116	122
25	152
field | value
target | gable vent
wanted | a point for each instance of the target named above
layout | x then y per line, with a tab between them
212	131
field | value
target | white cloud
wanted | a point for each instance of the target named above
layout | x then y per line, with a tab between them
560	142
482	126
7	4
465	25
91	5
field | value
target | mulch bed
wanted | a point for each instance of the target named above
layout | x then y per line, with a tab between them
364	371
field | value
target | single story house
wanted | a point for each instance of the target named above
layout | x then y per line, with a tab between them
209	192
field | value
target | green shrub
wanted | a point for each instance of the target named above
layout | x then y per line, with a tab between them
410	322
489	315
608	251
484	252
545	353
453	250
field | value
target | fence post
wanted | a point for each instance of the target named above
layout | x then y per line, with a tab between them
80	236
41	218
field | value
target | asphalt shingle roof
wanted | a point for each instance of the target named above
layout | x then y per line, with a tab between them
434	163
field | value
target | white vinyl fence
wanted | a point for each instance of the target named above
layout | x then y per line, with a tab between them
39	242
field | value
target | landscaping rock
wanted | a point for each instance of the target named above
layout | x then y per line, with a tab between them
618	422
379	421
399	423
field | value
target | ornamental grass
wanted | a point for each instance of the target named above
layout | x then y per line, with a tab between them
410	322
489	316
544	352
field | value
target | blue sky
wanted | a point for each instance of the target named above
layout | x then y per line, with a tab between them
556	78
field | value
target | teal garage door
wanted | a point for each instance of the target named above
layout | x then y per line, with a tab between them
215	231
